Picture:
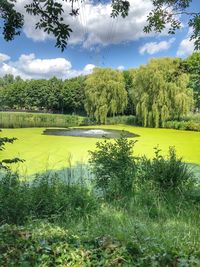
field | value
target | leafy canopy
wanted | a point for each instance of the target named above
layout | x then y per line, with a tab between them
160	92
105	94
192	66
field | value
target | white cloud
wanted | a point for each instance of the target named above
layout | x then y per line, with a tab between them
30	67
94	26
120	67
88	68
4	57
155	47
186	47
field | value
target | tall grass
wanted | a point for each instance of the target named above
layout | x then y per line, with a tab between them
25	119
65	225
22	120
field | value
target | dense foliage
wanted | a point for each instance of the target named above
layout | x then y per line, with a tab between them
44	95
105	94
114	168
192	66
165	89
168	174
160	92
4	163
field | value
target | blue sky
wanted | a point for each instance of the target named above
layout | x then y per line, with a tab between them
97	40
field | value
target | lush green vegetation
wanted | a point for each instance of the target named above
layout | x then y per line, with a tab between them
43	95
61	222
52	152
105	94
23	120
160	92
131	205
192	66
165	89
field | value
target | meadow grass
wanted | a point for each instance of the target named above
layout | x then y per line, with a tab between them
151	229
43	152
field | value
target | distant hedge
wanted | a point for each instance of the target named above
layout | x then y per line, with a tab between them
183	125
129	119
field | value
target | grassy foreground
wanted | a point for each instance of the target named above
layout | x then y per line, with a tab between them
52	152
57	224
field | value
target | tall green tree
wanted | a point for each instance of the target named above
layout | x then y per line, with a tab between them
73	97
128	79
160	92
192	66
37	94
12	92
105	94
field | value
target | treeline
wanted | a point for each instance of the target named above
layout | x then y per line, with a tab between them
162	90
52	95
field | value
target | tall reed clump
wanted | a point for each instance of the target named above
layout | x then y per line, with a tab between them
45	196
23	119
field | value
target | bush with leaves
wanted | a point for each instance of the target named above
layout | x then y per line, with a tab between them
4	163
169	173
114	167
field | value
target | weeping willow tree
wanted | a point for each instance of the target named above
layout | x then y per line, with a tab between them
160	92
105	94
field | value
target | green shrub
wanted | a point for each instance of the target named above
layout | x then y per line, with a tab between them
114	167
130	120
169	173
183	125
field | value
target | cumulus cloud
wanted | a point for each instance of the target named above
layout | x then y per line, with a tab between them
30	67
186	47
94	26
155	47
4	57
120	67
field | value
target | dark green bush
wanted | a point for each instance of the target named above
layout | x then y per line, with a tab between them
169	173
114	167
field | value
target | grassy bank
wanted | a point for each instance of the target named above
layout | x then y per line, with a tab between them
24	120
27	120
